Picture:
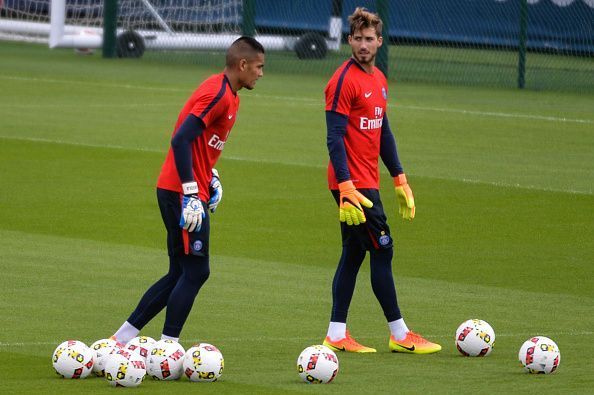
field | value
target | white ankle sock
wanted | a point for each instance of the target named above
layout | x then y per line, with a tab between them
126	333
165	337
337	330
398	329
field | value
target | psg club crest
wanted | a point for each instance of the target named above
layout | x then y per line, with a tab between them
384	240
197	245
384	93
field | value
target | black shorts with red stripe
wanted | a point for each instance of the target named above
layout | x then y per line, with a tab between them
180	241
374	234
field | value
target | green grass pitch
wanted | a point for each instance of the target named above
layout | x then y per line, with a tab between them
503	181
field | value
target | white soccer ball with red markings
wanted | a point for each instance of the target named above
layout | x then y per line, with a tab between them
203	362
165	361
317	365
141	345
73	359
102	349
540	355
125	368
475	338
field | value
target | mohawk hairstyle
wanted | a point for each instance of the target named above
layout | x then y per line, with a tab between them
363	19
243	48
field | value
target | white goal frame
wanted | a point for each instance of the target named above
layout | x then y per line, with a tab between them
61	35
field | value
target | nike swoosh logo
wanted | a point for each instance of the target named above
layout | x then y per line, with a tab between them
408	348
347	200
230	116
368	94
343	348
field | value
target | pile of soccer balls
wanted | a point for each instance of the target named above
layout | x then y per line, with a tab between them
474	338
126	366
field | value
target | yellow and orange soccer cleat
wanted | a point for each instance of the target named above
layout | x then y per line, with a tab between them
413	343
347	344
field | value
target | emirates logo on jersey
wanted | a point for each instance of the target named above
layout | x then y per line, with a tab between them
216	142
372	123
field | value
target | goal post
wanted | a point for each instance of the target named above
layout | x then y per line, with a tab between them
159	25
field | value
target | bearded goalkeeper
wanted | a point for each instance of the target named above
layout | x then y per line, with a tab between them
358	134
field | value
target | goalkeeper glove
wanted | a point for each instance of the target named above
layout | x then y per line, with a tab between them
192	210
350	202
406	200
216	191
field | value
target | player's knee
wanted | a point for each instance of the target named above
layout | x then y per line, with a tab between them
383	255
196	270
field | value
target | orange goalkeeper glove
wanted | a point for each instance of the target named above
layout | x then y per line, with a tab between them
350	210
406	200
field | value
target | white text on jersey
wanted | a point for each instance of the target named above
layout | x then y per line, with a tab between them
216	142
369	124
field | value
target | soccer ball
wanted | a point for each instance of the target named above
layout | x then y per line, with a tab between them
73	360
540	355
125	368
141	345
165	361
203	362
102	348
475	338
317	365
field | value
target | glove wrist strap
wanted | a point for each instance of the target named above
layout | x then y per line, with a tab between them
346	186
190	188
400	180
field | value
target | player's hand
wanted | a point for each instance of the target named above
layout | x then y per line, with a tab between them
216	191
192	210
406	200
350	202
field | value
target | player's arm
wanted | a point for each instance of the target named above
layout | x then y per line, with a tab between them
350	210
389	155
181	144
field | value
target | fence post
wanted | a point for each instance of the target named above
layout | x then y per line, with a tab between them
522	44
248	25
110	16
383	10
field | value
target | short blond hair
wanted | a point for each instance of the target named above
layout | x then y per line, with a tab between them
363	19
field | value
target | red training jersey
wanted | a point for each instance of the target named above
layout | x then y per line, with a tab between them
362	97
216	105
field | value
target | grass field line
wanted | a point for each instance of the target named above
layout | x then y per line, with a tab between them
316	102
288	163
304	339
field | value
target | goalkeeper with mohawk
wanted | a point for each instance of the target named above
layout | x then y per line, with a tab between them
188	187
358	133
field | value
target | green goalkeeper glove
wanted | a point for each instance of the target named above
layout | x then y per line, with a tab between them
406	200
350	202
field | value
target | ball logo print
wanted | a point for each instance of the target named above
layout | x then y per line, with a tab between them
539	355
141	345
125	369
203	363
166	360
475	338
317	365
72	359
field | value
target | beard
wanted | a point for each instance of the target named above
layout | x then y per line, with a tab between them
364	58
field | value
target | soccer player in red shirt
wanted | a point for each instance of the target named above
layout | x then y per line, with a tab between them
358	134
189	186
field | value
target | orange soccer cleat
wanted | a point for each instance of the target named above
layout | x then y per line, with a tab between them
347	344
413	343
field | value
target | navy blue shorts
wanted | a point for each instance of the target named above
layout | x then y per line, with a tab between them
180	241
374	234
